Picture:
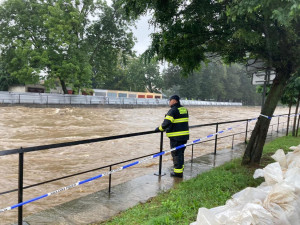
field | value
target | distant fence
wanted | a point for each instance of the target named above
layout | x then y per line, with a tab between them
60	99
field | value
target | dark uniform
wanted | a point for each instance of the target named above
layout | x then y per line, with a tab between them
177	128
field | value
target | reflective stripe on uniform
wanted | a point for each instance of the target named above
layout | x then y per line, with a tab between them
181	120
160	128
179	133
182	110
178	170
169	118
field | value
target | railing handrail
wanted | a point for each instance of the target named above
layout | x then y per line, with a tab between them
71	143
87	141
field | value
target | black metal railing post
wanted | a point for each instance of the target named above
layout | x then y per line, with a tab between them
246	133
109	181
216	138
287	126
160	150
278	125
272	130
160	157
192	154
20	187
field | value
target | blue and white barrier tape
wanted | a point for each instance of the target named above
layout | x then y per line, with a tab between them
270	117
123	167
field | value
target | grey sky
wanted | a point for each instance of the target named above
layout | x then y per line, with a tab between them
142	33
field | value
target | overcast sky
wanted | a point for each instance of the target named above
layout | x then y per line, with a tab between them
142	33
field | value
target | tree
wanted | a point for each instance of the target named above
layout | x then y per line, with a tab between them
21	35
291	97
6	80
215	81
111	48
57	40
190	32
143	76
297	84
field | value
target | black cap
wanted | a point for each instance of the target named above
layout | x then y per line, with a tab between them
176	97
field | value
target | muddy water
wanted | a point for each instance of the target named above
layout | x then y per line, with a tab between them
24	127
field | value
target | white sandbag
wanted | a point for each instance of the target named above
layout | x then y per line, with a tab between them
258	173
205	217
281	194
292	178
294	218
232	214
293	159
241	209
247	195
275	202
280	157
280	202
249	214
295	148
272	173
278	215
257	214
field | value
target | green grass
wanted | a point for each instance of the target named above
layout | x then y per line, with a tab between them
213	188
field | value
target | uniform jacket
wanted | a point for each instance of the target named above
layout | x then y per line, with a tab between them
176	123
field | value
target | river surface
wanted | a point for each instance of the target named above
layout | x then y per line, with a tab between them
26	127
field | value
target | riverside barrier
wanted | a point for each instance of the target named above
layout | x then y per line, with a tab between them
212	137
65	99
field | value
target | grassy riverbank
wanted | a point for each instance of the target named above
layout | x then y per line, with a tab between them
213	188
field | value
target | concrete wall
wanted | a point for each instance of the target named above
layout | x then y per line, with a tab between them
61	99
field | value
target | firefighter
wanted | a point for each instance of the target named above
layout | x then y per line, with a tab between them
177	128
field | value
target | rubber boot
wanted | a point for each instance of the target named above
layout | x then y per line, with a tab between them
173	174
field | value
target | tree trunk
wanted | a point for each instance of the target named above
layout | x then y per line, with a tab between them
295	118
289	116
63	85
298	126
298	118
254	148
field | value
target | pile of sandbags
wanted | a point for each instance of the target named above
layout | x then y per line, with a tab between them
275	202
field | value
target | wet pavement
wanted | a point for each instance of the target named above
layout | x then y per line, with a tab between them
101	206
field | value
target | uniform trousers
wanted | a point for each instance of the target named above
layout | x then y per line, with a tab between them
178	155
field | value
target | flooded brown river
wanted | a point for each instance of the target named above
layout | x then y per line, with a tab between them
25	127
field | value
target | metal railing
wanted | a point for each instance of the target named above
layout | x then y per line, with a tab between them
22	151
65	99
